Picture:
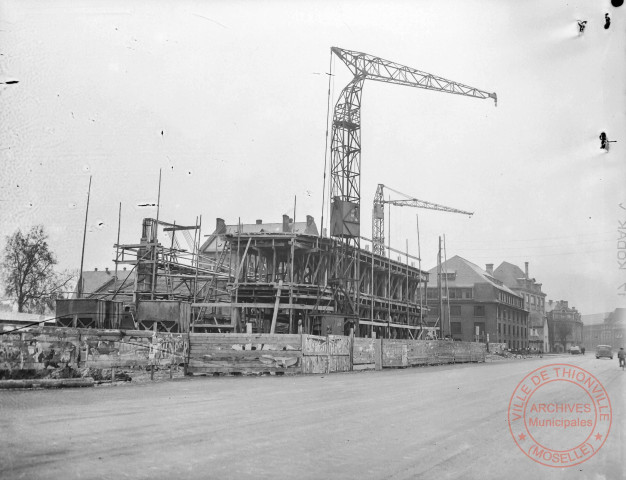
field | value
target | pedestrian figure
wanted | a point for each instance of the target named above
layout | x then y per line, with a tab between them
582	349
607	21
581	26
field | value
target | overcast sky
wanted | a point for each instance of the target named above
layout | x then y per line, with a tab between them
229	99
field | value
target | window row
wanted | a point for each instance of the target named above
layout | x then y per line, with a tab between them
515	330
454	293
511	299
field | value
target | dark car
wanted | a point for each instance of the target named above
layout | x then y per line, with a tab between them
604	351
575	350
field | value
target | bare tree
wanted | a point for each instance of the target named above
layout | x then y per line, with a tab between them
563	330
27	271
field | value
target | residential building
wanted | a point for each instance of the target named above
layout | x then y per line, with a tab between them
481	307
612	331
534	301
565	327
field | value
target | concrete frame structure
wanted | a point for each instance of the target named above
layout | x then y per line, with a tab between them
278	278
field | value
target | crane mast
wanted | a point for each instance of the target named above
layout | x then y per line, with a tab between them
345	161
345	164
378	213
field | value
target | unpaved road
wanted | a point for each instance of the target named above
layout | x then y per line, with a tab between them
434	423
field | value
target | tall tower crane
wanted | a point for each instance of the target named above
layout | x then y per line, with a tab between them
378	213
345	162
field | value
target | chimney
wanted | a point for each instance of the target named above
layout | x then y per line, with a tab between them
259	222
106	269
309	220
489	268
526	267
286	222
95	269
220	225
124	269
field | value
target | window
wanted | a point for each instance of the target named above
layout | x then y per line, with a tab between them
481	328
456	328
452	293
468	293
455	310
479	310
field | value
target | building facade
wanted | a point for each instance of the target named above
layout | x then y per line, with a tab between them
477	306
612	331
534	301
565	327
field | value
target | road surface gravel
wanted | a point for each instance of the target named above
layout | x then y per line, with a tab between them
444	422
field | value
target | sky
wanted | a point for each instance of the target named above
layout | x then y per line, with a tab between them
229	100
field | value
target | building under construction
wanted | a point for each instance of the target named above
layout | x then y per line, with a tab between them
270	277
286	277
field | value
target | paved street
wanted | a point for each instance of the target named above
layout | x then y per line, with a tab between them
435	422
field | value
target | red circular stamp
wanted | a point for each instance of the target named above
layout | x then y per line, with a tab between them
560	415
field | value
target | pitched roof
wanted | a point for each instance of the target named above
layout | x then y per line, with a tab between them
467	274
508	274
98	281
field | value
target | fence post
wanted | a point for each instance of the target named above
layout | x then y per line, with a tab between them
188	355
351	348
22	351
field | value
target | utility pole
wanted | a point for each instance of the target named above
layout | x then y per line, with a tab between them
439	289
82	255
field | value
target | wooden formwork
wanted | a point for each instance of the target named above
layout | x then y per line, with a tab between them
244	353
325	354
311	354
366	354
405	353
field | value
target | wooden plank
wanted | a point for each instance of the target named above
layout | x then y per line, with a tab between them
363	351
254	354
395	353
276	303
47	383
294	306
244	371
247	339
329	345
325	364
245	336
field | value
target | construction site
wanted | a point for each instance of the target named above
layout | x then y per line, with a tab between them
286	277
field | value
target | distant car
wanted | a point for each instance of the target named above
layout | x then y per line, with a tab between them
574	350
604	351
